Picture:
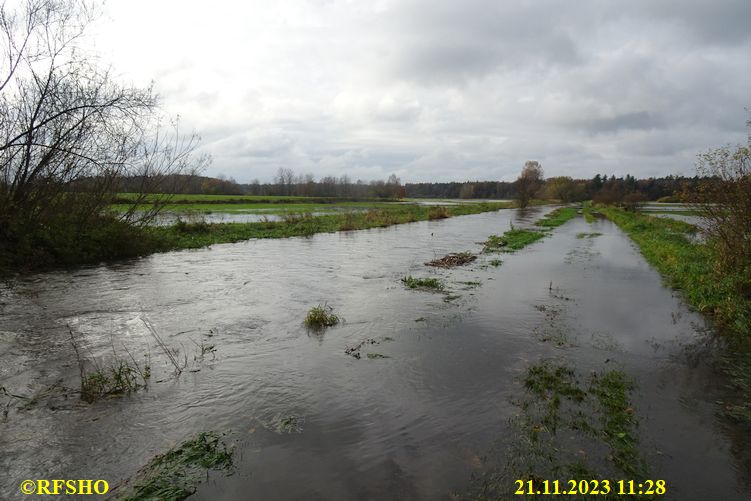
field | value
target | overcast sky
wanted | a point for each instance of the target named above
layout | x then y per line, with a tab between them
441	90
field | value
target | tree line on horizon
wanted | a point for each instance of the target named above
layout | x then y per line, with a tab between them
600	188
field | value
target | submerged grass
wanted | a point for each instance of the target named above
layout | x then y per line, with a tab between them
568	428
423	283
617	419
175	475
689	266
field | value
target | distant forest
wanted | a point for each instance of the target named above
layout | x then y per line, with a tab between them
602	188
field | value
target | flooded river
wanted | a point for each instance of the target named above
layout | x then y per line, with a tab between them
415	425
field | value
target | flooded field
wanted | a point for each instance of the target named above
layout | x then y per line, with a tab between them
430	409
680	212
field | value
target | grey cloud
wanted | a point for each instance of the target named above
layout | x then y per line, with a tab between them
624	121
447	41
724	22
448	90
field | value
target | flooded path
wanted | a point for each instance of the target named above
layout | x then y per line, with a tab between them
310	421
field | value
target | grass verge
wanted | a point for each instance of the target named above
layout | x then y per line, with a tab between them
588	213
689	267
512	240
557	217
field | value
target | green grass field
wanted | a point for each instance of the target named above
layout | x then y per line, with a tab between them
262	208
181	198
207	204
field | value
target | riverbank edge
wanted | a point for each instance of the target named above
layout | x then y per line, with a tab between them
115	241
688	267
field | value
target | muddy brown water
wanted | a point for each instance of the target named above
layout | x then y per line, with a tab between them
416	425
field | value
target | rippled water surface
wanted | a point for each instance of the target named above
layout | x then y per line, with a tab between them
415	425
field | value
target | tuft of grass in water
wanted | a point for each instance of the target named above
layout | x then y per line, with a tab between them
587	235
374	356
495	263
175	475
203	349
288	424
512	240
423	283
321	316
119	378
557	217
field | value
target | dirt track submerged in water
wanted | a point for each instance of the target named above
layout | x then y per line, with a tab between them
312	422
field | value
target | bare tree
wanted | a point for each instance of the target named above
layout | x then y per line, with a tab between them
285	178
68	131
724	202
528	182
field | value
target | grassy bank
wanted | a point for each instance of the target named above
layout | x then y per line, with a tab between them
193	235
689	267
63	245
